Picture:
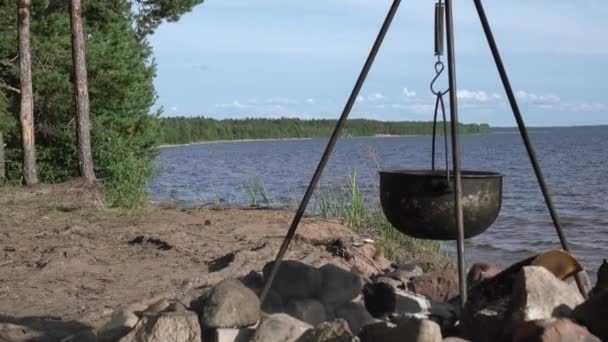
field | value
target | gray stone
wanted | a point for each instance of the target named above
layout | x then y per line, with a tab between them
120	324
253	280
355	314
553	330
396	283
411	330
439	286
333	331
83	336
420	330
230	305
279	328
481	271
338	286
273	303
14	332
168	326
486	324
157	307
310	311
228	335
294	279
405	271
538	294
593	314
409	302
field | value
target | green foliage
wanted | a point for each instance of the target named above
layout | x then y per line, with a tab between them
120	73
151	13
121	167
182	130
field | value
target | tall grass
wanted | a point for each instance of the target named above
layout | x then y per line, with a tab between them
348	203
255	191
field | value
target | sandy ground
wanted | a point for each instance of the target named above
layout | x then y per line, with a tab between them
67	261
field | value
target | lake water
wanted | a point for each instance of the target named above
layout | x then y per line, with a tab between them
574	161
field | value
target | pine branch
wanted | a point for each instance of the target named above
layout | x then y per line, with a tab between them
8	87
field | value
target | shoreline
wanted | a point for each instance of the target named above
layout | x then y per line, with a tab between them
307	138
230	141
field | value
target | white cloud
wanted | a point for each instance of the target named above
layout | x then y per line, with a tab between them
536	99
584	107
173	109
360	98
409	93
376	97
233	104
476	95
279	101
310	101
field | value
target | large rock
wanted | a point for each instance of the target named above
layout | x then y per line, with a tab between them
333	331
294	279
279	328
404	272
338	286
310	311
355	314
487	324
594	314
14	332
438	286
420	330
481	271
83	336
395	283
169	326
411	330
230	305
538	295
273	303
228	335
120	323
382	299
553	330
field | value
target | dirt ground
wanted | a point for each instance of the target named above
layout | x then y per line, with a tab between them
66	260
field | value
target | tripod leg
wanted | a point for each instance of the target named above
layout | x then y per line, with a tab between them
524	133
330	146
462	281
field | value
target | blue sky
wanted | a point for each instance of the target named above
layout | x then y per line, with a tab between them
296	58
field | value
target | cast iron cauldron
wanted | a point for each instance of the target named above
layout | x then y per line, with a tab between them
420	203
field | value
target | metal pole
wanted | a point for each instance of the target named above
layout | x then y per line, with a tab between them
462	281
524	134
330	146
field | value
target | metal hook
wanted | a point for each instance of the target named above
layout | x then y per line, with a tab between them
439	67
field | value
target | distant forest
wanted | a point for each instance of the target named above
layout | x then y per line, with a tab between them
183	130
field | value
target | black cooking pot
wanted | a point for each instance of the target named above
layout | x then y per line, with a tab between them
420	203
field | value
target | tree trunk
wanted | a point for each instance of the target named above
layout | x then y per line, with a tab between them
2	163
81	93
26	115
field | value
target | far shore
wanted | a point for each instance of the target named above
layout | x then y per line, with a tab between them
288	139
230	141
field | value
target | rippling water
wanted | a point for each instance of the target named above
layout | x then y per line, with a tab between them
574	161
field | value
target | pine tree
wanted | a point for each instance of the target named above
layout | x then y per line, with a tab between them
26	113
81	94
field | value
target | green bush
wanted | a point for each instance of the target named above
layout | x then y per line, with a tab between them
122	166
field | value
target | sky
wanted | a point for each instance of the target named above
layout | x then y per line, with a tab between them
296	58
